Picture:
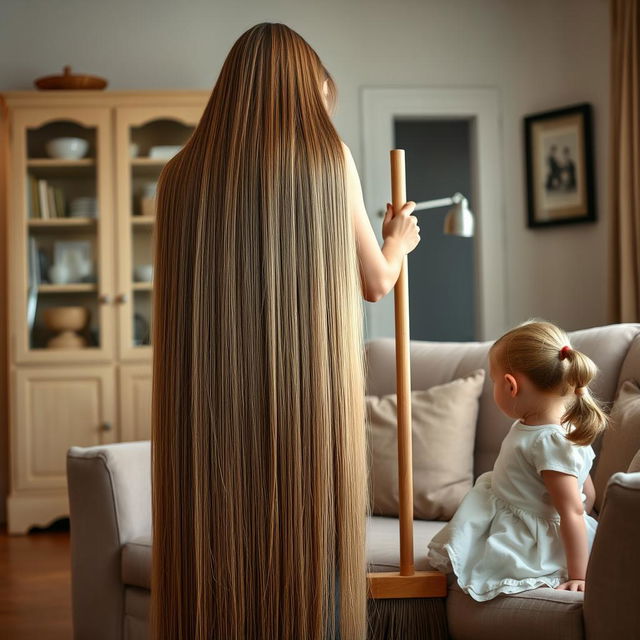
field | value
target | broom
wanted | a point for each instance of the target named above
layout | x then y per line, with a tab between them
406	604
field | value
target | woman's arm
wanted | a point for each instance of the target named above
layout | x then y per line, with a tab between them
379	268
565	496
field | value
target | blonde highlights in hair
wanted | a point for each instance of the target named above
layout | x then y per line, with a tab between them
537	350
258	441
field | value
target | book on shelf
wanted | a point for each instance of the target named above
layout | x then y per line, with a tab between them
51	202
45	200
60	202
33	197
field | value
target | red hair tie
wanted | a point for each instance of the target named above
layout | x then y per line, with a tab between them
564	352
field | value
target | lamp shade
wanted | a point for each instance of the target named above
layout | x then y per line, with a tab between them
459	220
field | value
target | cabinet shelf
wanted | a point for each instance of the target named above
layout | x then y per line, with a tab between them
47	223
73	287
149	162
142	286
142	221
60	162
61	168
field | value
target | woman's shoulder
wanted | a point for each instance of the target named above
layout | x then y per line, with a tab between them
348	156
354	189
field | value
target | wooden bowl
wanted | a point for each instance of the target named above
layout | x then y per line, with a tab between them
66	318
70	81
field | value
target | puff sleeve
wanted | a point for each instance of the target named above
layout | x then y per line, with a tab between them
553	452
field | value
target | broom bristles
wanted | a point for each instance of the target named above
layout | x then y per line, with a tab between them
407	619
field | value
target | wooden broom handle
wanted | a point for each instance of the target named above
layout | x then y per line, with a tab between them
403	379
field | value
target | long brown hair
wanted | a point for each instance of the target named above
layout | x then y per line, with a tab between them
542	351
258	441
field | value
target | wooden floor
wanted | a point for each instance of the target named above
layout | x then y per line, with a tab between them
35	585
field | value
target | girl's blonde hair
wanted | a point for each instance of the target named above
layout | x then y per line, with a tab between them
542	352
258	440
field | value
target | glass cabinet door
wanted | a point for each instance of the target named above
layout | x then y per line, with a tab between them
61	247
146	137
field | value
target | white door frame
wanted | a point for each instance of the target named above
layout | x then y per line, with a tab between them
481	107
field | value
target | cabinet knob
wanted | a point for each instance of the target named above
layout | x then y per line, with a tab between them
106	426
105	298
122	298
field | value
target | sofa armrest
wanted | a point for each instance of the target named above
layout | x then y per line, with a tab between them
611	594
109	504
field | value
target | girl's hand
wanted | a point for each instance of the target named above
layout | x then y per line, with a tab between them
572	585
402	227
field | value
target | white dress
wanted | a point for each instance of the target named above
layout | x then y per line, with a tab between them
505	536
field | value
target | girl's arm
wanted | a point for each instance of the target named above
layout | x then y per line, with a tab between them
565	496
590	492
379	268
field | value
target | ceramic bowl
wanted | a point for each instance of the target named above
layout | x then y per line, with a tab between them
143	272
66	318
67	148
164	151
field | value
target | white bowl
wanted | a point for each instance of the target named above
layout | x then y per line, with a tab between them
164	151
67	148
143	272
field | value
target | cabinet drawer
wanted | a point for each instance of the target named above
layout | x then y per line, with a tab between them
56	408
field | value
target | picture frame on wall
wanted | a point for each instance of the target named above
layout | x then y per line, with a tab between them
559	167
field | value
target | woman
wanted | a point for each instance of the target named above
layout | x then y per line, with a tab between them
259	477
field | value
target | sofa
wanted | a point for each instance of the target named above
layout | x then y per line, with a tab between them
110	516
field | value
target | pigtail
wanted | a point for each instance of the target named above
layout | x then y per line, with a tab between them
584	411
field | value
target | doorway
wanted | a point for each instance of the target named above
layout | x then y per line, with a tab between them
438	164
413	117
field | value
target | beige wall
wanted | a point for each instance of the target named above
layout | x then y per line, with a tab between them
540	55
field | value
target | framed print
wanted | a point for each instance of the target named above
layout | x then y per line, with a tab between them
559	163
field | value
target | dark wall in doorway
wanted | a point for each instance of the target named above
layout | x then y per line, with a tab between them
441	268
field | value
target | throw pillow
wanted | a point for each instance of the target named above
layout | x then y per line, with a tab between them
621	440
443	429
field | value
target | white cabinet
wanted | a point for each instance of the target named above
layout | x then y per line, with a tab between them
54	406
95	213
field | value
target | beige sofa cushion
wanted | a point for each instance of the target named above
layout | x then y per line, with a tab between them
634	467
621	440
135	562
383	543
529	615
444	424
631	366
136	613
383	550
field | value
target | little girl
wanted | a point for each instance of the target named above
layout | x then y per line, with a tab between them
524	525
